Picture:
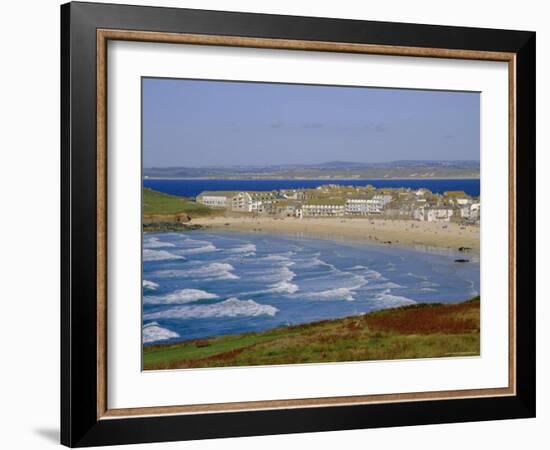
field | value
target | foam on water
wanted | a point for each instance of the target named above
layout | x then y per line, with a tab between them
342	293
285	257
390	301
283	287
179	297
232	307
158	255
153	332
150	285
197	242
230	283
153	242
473	291
367	272
271	275
386	285
197	250
212	271
315	261
245	248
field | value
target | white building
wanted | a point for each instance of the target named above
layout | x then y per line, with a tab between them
357	206
422	192
215	199
463	201
251	201
475	210
376	204
471	212
433	214
324	208
364	206
243	202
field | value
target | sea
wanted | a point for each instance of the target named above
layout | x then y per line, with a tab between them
193	187
200	283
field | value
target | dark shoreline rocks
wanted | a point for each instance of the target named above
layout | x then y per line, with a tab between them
170	226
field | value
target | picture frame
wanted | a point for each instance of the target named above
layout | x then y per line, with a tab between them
86	29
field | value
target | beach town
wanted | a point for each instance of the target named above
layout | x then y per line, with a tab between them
399	216
333	200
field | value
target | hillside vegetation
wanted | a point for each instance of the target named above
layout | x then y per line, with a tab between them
418	331
160	204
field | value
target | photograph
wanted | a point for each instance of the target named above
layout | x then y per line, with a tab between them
271	224
300	223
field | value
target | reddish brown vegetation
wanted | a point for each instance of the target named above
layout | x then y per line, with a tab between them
427	319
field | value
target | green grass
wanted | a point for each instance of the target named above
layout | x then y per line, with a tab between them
159	204
419	331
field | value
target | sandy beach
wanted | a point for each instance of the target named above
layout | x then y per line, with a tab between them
379	231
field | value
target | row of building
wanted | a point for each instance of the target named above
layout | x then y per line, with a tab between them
339	201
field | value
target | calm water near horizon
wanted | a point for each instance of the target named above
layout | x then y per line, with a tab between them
203	283
193	187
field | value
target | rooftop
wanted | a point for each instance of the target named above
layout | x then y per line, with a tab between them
219	193
326	201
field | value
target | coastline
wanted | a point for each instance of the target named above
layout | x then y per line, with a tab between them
402	233
419	331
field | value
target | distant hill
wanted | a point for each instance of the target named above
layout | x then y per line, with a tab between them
327	170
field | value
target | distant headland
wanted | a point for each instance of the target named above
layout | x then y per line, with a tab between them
405	169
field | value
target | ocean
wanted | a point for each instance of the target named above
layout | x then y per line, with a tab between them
201	283
193	187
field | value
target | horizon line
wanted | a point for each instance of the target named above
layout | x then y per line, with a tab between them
313	164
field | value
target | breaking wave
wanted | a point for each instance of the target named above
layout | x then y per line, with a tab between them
158	255
232	307
272	275
314	261
368	273
246	248
212	271
197	250
189	240
342	293
284	287
153	242
179	297
146	284
373	275
285	257
153	332
279	278
473	290
391	300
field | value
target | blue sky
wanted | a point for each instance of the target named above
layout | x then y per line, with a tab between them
198	123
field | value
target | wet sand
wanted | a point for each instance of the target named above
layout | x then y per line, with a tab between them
381	231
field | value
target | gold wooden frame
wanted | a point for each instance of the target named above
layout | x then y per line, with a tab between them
103	36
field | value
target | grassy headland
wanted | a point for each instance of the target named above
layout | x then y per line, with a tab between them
158	203
164	212
418	331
